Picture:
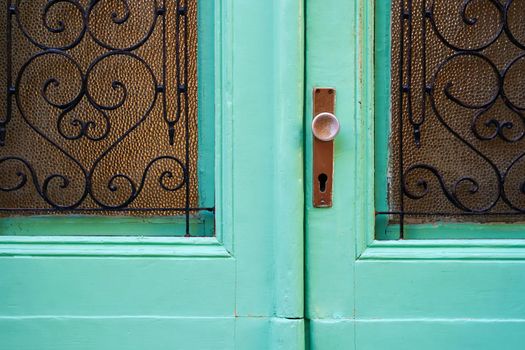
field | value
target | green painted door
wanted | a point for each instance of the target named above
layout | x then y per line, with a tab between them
448	284
72	283
374	277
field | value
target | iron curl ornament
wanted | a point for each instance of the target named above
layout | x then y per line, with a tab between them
458	117
90	81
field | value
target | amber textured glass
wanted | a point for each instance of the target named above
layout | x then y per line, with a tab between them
457	147
101	116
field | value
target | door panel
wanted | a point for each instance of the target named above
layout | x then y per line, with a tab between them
439	334
330	244
117	333
439	289
241	288
364	291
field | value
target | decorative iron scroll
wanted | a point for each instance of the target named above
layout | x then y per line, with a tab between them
100	107
458	111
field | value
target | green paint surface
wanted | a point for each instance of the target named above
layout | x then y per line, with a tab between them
206	97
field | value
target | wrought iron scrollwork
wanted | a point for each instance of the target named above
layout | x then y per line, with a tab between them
457	61
83	96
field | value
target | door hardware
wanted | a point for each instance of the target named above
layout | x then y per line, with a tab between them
325	127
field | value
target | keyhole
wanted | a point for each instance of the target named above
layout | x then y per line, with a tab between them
323	178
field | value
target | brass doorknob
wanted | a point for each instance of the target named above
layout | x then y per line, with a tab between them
325	126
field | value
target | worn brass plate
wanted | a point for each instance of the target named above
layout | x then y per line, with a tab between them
323	152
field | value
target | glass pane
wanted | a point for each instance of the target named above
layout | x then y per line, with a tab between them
101	110
457	146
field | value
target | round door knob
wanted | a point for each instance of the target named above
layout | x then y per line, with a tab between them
325	126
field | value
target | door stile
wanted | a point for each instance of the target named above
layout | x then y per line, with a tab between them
289	160
267	105
332	62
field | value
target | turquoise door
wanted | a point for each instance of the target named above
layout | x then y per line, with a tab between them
376	277
262	267
235	281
